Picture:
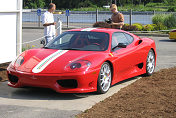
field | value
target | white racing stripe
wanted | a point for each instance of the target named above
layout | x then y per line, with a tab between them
45	62
88	29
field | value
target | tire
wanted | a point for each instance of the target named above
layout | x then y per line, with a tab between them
150	63
104	78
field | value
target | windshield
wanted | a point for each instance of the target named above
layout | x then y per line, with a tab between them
80	40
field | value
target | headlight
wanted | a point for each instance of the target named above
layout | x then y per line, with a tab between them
78	65
19	61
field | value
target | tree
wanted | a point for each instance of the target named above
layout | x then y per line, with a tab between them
70	4
29	4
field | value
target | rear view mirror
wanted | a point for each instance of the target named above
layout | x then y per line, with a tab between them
122	45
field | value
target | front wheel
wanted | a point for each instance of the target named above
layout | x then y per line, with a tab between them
150	63
104	78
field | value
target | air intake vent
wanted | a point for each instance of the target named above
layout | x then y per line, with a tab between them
12	78
68	83
140	65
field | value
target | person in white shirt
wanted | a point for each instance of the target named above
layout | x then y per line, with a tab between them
48	23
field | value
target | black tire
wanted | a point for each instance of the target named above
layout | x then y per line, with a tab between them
102	79
150	63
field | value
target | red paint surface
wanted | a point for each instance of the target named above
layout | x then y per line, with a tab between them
124	63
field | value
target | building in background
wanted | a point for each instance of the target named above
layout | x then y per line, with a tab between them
11	29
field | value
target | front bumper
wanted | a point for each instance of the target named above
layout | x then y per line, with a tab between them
85	81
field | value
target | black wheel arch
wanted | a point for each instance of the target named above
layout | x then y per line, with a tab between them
112	69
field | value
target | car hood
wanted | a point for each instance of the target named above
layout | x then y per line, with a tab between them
54	61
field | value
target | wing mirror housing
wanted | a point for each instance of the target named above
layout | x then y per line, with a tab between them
122	45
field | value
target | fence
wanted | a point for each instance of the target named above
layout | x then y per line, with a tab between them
87	18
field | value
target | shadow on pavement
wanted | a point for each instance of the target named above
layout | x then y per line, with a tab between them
167	40
32	93
2	69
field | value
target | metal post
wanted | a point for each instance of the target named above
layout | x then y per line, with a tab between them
67	21
96	15
131	11
59	29
38	21
153	12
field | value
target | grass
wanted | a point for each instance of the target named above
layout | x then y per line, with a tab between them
27	47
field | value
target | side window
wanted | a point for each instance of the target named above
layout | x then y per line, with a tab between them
119	37
114	41
129	37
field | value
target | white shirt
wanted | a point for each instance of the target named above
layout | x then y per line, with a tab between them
48	17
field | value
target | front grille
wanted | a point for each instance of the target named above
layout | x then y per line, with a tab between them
12	78
68	83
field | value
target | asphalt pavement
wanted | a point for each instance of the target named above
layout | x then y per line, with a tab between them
45	103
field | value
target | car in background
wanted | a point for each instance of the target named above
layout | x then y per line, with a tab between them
84	60
172	34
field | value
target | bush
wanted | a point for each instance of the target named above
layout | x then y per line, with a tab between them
138	26
154	26
158	18
126	24
101	24
164	20
128	27
171	9
160	26
148	27
170	20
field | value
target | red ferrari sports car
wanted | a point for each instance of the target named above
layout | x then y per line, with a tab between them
84	60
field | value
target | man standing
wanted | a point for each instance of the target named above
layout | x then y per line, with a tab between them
117	17
48	23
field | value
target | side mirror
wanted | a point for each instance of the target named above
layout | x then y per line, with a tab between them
42	42
122	45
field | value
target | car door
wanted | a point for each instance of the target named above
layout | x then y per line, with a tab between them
125	58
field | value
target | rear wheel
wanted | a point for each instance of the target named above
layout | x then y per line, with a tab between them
150	63
104	79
